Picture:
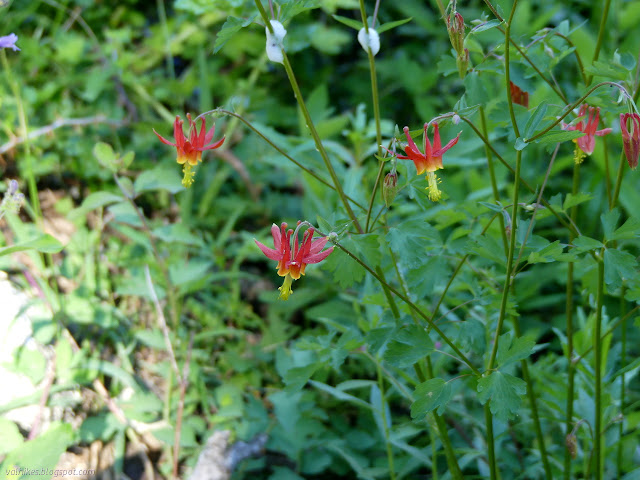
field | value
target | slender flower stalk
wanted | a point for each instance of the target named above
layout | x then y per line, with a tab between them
309	122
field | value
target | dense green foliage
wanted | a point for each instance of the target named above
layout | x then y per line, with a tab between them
491	334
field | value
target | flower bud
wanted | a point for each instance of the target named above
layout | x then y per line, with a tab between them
631	138
390	188
369	41
274	41
572	445
455	28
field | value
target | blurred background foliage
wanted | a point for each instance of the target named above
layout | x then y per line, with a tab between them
91	71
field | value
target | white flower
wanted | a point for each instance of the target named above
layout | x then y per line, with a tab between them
274	41
370	41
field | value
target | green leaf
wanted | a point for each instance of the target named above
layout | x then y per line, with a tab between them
232	26
486	26
548	254
11	437
349	22
609	221
389	25
100	199
559	136
411	344
291	9
41	453
340	394
607	70
160	178
346	271
505	393
487	247
535	119
510	353
630	229
429	395
520	144
586	244
104	153
618	265
44	243
577	199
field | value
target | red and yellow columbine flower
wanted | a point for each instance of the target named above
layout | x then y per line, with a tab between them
430	160
585	145
631	138
293	261
190	151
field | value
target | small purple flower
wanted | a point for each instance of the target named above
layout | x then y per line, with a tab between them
9	41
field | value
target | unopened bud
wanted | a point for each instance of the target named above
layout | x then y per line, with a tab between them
631	138
369	41
390	188
455	28
274	41
455	119
572	445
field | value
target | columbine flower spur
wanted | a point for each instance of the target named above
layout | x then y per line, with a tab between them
190	151
293	258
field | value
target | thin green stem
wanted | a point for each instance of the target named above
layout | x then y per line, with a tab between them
449	453
376	114
318	142
508	273
616	191
623	361
524	364
463	358
597	436
608	332
457	270
170	291
548	206
603	24
553	87
311	126
516	191
278	149
162	15
488	420
492	175
452	462
578	59
22	118
607	171
385	427
569	317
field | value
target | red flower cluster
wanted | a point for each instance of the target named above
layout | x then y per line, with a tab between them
190	151
293	261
